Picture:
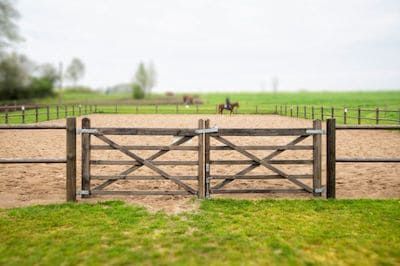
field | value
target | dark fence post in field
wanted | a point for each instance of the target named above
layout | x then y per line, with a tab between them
73	109
90	108
58	111
256	109
66	110
332	112
297	111
276	109
95	108
137	109
6	116
345	116
317	159
200	167
285	110
359	116
280	109
80	110
305	112
23	115
197	108
85	157
207	159
36	113
399	115
322	113
48	112
71	159
331	159
312	113
291	111
377	115
86	109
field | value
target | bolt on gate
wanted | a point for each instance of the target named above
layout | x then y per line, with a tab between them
204	164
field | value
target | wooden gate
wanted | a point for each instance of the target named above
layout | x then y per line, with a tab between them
205	176
137	162
267	162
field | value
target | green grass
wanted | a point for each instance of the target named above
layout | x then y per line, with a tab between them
230	232
250	103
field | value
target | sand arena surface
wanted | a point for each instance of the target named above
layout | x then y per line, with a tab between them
28	184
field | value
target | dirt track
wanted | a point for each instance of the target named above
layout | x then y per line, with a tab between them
41	184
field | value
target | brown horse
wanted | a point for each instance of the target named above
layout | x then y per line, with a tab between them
231	108
187	99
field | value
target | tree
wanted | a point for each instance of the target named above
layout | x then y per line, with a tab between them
145	77
8	26
14	76
138	92
75	70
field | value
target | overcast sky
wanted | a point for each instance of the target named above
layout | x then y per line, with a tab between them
222	45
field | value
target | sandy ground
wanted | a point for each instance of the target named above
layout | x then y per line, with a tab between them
22	185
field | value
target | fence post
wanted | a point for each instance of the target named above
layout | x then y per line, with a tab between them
345	116
85	157
322	113
71	159
90	108
66	110
305	112
297	111
359	116
36	113
58	111
332	112
312	112
137	109
331	159
200	168
48	112
197	108
317	157
280	109
85	109
156	108
377	115
256	109
23	114
276	109
291	111
6	117
80	110
207	159
73	109
95	108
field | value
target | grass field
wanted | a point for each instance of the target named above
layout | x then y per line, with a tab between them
250	103
273	232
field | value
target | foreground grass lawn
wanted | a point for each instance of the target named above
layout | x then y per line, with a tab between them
289	232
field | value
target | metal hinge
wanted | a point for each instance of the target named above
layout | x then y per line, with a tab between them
207	167
87	131
319	190
315	131
206	130
83	192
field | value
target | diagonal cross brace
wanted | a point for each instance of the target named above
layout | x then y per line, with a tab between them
253	166
135	167
263	163
146	163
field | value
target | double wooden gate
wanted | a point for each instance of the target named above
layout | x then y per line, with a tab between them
205	182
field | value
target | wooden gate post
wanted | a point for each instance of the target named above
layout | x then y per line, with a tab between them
71	159
317	158
36	113
207	158
85	158
200	168
331	159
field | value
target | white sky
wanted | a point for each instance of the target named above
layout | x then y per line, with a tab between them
221	45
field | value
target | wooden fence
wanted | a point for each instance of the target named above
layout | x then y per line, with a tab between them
204	164
69	160
331	158
344	114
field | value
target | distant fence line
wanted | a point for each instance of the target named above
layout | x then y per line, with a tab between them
37	113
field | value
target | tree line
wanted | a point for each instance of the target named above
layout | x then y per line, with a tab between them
20	77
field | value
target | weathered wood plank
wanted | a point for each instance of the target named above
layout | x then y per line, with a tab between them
200	168
29	160
368	160
130	162
71	159
239	162
147	147
140	192
240	191
85	157
125	177
331	158
259	176
31	127
317	158
265	147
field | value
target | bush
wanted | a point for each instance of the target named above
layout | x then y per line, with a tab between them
41	87
138	92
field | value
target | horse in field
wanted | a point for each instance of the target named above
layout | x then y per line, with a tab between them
230	108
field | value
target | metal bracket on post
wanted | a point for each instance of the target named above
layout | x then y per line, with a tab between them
87	131
206	130
319	190
83	192
315	131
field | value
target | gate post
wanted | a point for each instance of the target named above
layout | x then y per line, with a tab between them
207	158
85	158
71	159
331	159
317	156
200	168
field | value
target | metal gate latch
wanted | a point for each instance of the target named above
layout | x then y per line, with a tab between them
319	190
315	131
83	192
87	131
206	130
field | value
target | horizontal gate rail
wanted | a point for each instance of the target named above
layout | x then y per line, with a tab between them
122	177
281	147
258	176
127	162
30	127
149	148
236	162
139	192
233	191
21	161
